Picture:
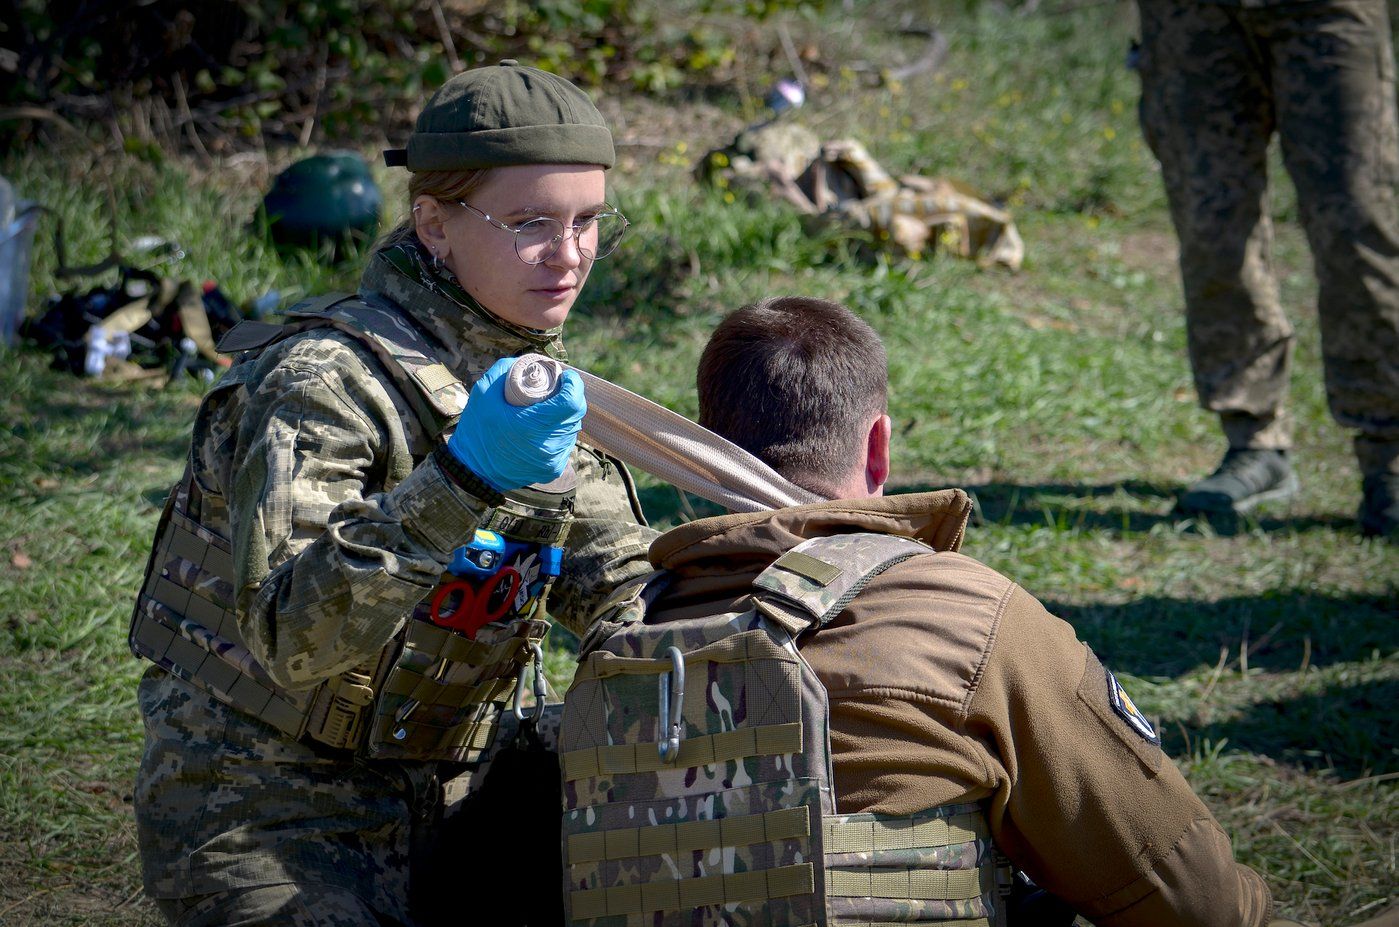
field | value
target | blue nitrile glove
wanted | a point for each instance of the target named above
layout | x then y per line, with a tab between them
512	446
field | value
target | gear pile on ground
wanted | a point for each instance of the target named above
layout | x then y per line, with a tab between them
142	323
840	182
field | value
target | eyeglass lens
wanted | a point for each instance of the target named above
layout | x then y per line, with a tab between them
539	239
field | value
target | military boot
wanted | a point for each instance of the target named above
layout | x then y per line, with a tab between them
1379	506
1244	478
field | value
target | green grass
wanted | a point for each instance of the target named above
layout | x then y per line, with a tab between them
1060	397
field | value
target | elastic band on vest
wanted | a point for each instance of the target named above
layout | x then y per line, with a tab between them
673	839
902	833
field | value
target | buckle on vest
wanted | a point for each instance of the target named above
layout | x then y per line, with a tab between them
338	720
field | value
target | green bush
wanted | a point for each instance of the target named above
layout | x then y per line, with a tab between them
238	69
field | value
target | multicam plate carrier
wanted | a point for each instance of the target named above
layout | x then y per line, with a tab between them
432	693
697	773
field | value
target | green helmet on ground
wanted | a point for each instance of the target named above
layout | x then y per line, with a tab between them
326	197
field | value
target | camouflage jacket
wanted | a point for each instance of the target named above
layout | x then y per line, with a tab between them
341	523
340	519
949	684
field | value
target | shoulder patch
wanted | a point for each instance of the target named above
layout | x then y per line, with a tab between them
1128	711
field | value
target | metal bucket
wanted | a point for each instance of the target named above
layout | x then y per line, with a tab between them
17	222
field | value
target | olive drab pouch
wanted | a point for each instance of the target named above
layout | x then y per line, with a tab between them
468	642
436	691
697	772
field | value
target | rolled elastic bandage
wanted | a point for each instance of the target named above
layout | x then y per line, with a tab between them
533	378
650	437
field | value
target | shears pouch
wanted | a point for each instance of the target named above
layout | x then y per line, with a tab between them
444	692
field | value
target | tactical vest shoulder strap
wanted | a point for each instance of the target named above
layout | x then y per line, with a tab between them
405	353
626	605
629	601
809	585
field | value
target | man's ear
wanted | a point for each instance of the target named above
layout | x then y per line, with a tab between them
429	221
877	454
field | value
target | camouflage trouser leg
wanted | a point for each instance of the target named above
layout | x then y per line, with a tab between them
269	905
1207	113
1216	82
225	804
1333	78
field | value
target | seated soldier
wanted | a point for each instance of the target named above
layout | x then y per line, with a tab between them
947	682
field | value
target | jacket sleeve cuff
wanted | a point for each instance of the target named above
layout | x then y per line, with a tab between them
463	476
441	507
1197	882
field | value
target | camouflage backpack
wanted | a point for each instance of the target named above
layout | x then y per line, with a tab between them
697	772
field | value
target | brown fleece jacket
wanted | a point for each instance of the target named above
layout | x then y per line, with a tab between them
949	683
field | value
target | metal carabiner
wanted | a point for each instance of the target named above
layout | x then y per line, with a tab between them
672	696
541	687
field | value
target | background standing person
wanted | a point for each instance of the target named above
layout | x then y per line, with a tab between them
306	704
1219	77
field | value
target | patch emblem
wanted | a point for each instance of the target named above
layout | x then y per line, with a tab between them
1127	710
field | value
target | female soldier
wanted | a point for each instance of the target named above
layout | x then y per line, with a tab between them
307	701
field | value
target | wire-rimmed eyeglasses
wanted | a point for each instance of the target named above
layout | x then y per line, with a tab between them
537	240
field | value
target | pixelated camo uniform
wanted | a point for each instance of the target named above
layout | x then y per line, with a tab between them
341	523
1218	79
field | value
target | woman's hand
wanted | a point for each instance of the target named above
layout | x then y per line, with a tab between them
511	446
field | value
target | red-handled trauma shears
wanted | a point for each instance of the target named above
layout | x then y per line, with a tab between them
465	606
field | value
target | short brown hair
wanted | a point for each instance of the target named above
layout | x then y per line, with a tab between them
795	381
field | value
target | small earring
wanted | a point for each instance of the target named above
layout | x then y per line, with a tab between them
436	260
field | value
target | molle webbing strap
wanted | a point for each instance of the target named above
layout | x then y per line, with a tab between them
683	894
195	653
431	700
689	836
204	553
738	744
869	834
767	662
939	861
918	884
809	585
475	736
183	624
744	647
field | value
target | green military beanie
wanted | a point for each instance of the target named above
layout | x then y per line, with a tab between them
503	115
